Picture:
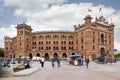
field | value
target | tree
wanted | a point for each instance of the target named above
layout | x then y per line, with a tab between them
1	53
117	55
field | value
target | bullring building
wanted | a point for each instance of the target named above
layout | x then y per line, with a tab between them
89	39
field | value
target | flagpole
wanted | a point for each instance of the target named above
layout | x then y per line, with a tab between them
100	10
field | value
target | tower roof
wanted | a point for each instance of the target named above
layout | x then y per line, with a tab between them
23	25
88	17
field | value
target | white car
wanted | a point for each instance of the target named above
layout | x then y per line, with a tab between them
13	61
36	58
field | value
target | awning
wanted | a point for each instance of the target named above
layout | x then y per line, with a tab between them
75	55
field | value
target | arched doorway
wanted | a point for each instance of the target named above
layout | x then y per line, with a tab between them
30	55
14	56
73	54
55	55
46	56
37	55
20	56
102	54
64	55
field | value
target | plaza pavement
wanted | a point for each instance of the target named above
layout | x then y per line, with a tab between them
71	72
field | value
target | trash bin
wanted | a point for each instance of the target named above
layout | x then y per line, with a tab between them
0	69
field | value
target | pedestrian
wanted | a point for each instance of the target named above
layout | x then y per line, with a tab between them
42	61
27	65
53	60
87	62
58	61
111	61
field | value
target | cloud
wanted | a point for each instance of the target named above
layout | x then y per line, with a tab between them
11	32
62	16
54	15
31	4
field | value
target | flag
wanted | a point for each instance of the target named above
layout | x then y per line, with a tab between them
100	8
89	10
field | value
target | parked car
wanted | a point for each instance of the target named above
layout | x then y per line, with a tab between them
13	61
36	58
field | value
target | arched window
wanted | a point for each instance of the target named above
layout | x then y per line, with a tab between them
102	38
27	46
93	47
82	48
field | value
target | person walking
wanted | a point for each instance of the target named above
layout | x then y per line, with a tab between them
110	61
53	60
58	61
42	61
27	65
87	62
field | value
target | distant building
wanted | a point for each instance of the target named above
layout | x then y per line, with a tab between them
116	51
89	39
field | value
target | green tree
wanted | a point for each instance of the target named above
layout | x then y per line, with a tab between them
117	55
1	53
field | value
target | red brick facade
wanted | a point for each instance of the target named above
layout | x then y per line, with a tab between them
88	39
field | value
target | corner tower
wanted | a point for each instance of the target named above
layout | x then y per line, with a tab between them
23	39
88	21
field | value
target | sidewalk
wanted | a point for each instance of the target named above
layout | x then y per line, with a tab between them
115	67
8	71
71	72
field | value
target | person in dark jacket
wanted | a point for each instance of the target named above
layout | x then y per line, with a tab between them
27	65
87	62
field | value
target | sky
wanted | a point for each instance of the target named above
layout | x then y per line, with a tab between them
45	15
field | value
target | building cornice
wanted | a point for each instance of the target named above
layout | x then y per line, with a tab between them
47	32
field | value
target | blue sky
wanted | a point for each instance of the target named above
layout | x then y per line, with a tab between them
110	3
6	15
6	12
54	15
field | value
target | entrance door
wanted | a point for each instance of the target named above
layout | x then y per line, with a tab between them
55	55
102	54
30	55
64	55
46	56
37	55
